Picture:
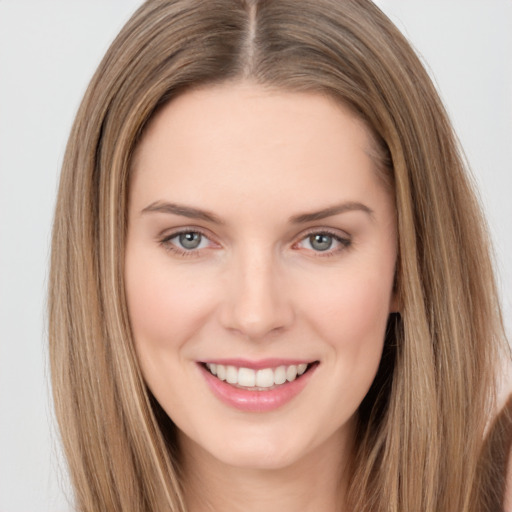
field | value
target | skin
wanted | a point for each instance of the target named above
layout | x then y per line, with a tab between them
258	159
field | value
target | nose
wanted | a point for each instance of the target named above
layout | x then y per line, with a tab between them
256	301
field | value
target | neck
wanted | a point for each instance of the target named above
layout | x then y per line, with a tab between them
318	481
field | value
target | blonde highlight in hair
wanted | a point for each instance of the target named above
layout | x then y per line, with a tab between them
421	427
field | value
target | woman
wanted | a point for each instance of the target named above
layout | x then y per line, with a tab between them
270	283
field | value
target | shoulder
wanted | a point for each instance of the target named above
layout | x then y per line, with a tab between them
507	502
495	465
504	420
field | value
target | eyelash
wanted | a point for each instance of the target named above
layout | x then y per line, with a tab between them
173	248
345	242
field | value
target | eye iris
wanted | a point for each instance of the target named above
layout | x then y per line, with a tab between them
190	240
321	242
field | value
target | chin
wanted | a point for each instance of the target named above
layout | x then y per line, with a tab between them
259	457
257	447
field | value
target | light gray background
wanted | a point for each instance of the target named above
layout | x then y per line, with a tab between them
48	52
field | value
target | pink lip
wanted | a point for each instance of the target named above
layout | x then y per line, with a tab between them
256	401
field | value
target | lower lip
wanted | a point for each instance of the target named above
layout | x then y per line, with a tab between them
256	401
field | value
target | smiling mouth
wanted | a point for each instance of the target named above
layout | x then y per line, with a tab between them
264	379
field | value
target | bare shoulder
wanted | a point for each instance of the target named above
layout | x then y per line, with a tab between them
496	455
507	502
505	421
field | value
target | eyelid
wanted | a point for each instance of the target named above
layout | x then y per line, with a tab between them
166	236
341	237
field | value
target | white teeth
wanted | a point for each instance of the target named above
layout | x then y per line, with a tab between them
291	373
232	375
221	372
264	378
280	375
246	377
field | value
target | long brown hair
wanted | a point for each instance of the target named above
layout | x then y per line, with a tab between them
421	427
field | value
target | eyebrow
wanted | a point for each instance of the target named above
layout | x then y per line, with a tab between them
330	212
196	213
183	211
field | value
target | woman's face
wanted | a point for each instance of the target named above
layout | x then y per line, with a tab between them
261	247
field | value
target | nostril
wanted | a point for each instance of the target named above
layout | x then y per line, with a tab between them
255	303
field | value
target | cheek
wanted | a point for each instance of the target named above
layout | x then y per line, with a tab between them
353	308
351	319
165	305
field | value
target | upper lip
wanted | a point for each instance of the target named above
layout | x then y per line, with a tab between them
258	364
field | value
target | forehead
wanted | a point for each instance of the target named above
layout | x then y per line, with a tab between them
243	140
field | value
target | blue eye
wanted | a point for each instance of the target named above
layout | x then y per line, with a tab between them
190	240
186	242
324	242
321	241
